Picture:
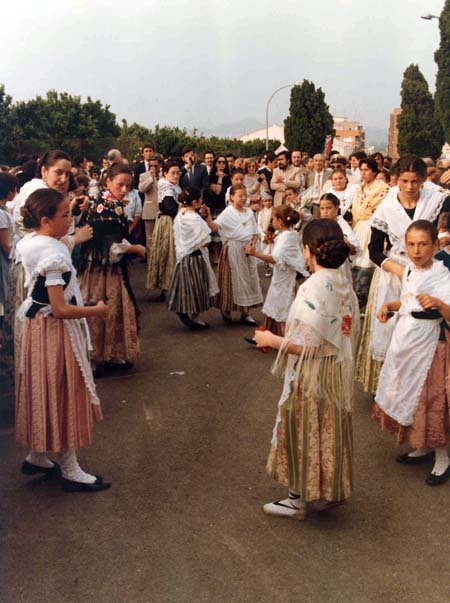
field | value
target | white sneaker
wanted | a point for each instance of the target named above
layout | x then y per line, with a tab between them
292	508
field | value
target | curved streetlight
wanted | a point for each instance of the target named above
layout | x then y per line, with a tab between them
267	109
428	17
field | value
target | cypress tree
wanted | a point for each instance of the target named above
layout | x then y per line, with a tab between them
442	58
309	121
419	130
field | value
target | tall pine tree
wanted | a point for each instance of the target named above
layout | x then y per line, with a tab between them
419	130
442	58
309	121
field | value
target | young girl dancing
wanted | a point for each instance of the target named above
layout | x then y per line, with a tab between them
413	395
311	452
329	207
238	274
103	273
56	401
194	285
287	259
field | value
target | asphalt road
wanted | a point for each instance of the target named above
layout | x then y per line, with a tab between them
184	442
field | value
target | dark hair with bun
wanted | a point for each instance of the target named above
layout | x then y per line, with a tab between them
42	203
189	195
287	214
50	158
424	226
325	240
118	168
411	163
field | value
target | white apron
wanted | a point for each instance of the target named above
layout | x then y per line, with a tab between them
413	344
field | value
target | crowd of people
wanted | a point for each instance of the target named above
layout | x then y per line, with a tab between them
357	255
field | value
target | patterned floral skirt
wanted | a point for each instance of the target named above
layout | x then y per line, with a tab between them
431	423
161	263
53	408
312	446
115	339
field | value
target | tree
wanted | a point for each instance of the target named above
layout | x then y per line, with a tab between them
442	58
419	130
309	121
6	146
60	120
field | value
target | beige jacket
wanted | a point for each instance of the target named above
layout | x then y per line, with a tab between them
149	186
291	177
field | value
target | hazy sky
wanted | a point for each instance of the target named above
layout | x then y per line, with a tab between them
200	63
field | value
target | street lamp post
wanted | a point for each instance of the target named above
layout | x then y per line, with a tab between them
267	109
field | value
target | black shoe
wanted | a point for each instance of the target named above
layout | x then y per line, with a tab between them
226	316
185	319
248	321
162	296
437	480
99	371
30	469
251	340
69	485
198	326
118	366
405	459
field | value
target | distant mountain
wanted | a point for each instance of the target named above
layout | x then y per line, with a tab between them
233	129
377	137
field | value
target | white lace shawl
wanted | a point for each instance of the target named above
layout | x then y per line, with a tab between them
190	233
391	218
167	189
236	225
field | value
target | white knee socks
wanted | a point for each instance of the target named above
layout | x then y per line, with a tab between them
441	460
70	469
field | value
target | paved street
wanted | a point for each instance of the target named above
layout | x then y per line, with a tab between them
183	522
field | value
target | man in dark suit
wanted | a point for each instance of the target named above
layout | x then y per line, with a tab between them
148	151
193	173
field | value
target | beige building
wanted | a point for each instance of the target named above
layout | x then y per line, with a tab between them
392	150
349	136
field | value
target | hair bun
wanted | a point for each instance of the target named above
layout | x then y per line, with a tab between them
332	254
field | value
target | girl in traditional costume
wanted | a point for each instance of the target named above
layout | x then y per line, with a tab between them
162	255
405	203
238	274
194	286
367	198
103	273
329	207
312	449
413	394
56	400
287	260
